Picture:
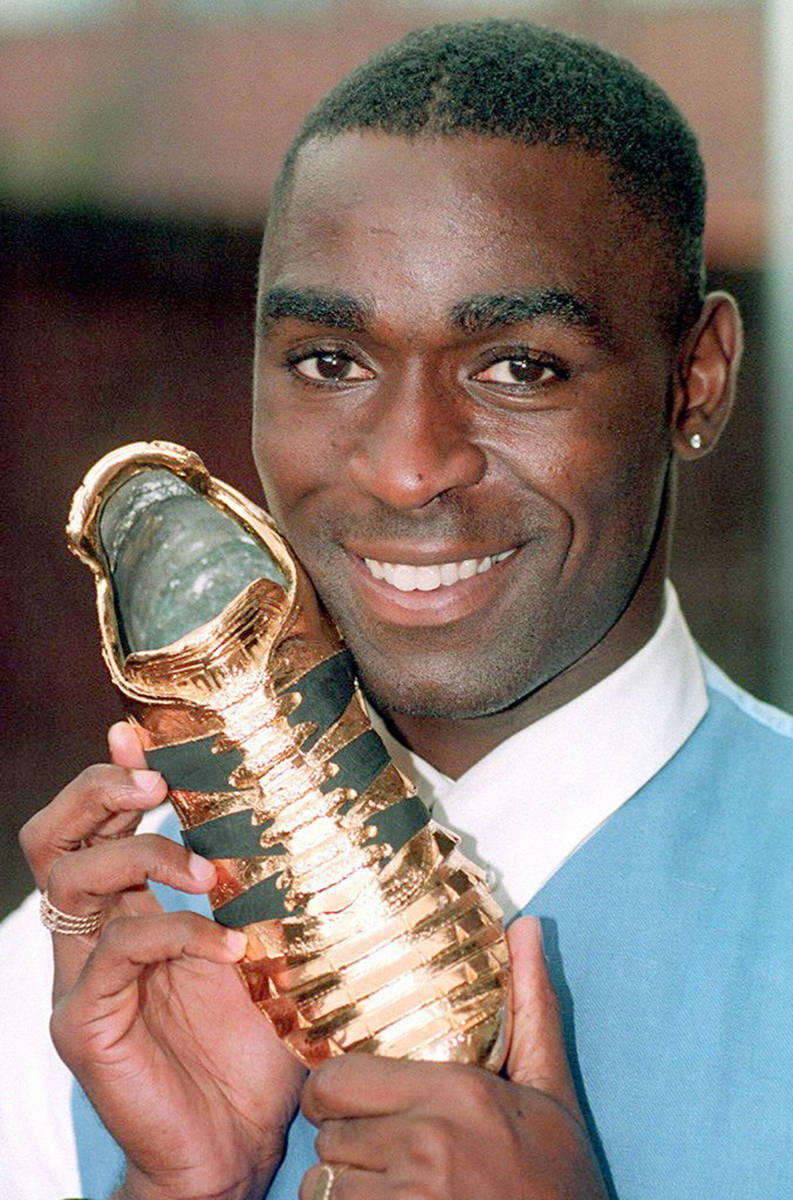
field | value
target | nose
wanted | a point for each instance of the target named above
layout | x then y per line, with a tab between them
416	445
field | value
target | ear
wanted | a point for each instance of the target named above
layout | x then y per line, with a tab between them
707	371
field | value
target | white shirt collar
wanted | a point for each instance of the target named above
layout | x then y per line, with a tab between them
526	807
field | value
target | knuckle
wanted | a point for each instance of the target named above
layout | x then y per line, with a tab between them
187	929
323	1142
308	1184
142	854
59	1026
431	1146
329	1141
104	782
29	837
325	1081
59	872
114	935
413	1192
192	923
477	1091
62	1030
95	778
156	852
68	1033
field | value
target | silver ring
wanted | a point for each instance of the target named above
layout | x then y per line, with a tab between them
60	922
328	1174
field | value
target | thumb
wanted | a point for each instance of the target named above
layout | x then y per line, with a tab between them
537	1056
124	745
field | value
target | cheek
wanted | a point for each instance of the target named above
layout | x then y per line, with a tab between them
296	457
619	478
603	477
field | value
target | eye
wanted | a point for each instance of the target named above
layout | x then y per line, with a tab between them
330	366
519	369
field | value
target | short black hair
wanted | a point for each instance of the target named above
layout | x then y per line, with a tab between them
534	85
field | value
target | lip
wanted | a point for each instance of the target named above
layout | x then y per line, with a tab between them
438	607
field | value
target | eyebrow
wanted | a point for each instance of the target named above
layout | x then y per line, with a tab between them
337	309
476	314
479	314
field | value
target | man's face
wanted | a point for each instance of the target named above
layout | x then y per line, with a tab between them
460	407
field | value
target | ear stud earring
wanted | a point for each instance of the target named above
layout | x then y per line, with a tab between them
695	441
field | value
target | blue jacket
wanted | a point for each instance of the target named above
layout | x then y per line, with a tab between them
669	935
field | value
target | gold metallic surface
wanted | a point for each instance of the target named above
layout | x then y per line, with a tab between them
397	951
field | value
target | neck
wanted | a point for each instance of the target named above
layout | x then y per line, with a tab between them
452	745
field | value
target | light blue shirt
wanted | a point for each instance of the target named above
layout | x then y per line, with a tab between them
670	941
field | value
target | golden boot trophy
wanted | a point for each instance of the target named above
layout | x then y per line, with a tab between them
367	928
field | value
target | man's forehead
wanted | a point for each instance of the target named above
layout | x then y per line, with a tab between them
373	214
482	193
458	180
327	157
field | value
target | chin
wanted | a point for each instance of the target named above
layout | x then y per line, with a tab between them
451	696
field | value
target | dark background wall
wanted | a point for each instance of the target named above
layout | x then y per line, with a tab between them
118	329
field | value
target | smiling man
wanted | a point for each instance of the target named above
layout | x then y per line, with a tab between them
483	415
482	344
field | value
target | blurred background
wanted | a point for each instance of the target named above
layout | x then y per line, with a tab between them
139	140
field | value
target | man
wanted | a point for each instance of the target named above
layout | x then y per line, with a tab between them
482	344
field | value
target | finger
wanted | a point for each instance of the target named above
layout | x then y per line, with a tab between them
364	1085
85	881
537	1055
348	1184
125	751
104	1000
124	745
366	1142
92	881
98	796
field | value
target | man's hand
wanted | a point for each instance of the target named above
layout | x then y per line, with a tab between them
150	1014
435	1131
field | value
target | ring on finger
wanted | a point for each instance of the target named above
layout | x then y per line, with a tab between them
328	1174
57	921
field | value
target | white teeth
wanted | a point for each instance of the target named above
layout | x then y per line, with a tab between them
428	578
375	567
407	578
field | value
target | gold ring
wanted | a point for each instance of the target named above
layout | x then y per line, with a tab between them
328	1174
60	922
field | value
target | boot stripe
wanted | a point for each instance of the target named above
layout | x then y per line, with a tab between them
261	902
359	763
192	767
326	691
264	901
235	835
397	824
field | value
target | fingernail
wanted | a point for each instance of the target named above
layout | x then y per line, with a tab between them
147	781
115	732
200	868
237	942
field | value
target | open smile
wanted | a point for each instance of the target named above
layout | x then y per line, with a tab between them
438	593
428	577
